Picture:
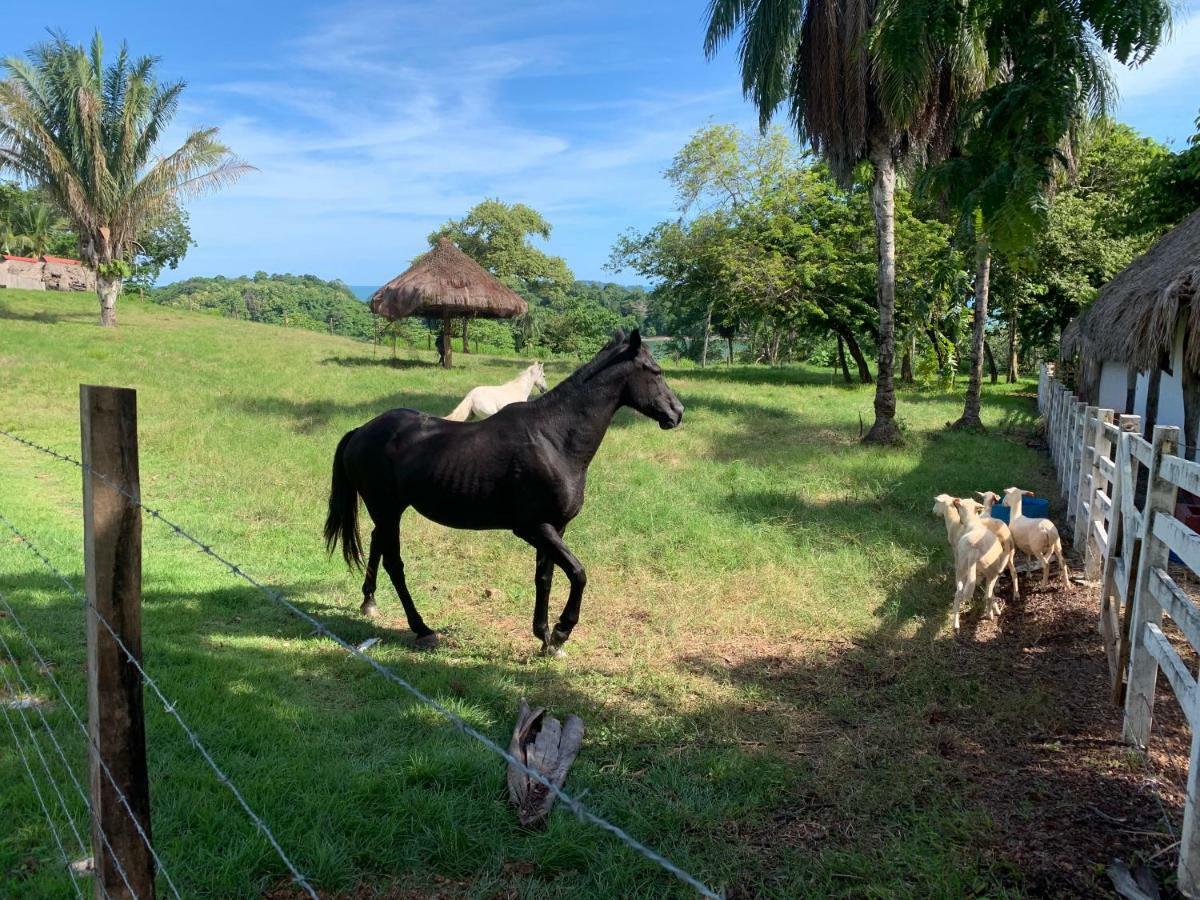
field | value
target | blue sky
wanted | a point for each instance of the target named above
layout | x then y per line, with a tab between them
371	122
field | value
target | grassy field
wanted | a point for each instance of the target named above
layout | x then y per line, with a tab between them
764	632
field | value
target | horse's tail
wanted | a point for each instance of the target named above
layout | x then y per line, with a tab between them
342	522
462	412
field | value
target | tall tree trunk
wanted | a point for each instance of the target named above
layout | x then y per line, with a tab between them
906	362
983	266
1013	364
937	347
841	358
864	370
108	289
883	201
730	340
707	336
466	326
993	373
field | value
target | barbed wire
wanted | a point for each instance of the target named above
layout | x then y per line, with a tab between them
23	714
169	706
572	803
46	669
42	802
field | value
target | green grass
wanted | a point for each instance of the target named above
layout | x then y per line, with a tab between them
764	630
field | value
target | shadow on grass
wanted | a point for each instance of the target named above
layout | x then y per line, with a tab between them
381	361
310	417
45	316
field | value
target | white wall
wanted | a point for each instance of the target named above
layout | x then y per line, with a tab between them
1170	393
1170	389
1113	385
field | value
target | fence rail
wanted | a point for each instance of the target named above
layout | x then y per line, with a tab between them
1121	492
102	846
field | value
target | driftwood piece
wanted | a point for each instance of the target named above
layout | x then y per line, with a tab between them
548	747
1136	885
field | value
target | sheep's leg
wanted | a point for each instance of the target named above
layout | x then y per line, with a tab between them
1062	562
1044	559
966	590
989	595
1012	573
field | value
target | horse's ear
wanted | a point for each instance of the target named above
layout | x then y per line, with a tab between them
635	340
618	337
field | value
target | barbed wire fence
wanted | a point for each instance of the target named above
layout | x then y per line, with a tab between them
320	629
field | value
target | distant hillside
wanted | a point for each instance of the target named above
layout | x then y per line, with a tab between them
297	301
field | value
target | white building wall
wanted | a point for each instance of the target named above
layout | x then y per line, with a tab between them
1170	392
1170	388
1113	385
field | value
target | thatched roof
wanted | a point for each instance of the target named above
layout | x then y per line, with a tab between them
1071	341
1133	319
446	282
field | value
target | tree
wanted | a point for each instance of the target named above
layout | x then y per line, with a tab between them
496	235
164	241
864	84
87	135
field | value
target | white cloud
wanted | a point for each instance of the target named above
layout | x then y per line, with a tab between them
370	130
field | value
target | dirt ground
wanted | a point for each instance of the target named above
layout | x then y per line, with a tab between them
1067	796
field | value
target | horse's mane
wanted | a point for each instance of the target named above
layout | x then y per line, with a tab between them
591	367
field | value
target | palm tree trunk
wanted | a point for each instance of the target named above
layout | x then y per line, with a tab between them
993	372
841	358
1012	347
108	289
906	368
883	201
864	370
707	336
983	265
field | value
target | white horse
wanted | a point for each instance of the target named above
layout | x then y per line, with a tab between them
487	401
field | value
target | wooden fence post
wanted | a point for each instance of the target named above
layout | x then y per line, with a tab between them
1084	449
1093	560
1143	668
112	553
1121	566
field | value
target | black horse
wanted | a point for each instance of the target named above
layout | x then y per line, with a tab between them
523	470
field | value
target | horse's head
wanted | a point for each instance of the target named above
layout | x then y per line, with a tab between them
539	376
645	389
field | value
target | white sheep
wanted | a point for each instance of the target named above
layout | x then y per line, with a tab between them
943	505
979	555
1036	537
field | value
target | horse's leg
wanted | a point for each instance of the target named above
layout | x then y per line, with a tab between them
392	563
547	540
368	607
543	579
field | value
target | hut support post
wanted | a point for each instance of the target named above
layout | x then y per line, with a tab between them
447	350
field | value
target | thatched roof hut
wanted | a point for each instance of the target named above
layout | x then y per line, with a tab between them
446	283
1071	341
1134	318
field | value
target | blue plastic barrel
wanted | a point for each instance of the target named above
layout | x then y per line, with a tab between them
1031	507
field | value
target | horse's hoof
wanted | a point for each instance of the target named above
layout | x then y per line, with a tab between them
427	641
553	650
369	609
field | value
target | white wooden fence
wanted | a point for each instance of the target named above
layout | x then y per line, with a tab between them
1101	460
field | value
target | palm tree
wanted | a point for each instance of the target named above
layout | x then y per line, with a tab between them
86	135
35	225
1051	76
866	82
